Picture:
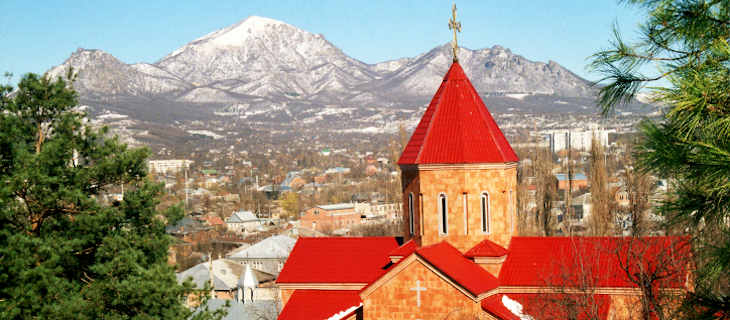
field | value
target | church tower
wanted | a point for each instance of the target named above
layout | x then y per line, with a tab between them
459	173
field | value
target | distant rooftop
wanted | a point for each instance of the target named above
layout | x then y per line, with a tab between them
576	176
270	248
225	274
337	206
242	216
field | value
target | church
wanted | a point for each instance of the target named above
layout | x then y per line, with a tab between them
461	256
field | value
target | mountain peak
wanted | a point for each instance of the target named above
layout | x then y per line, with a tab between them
257	20
237	34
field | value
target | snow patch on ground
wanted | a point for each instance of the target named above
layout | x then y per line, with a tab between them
206	133
112	116
342	314
518	96
333	111
365	130
514	307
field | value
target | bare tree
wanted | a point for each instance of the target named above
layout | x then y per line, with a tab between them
638	188
601	223
536	186
655	267
658	266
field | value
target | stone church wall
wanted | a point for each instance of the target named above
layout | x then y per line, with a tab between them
464	229
397	299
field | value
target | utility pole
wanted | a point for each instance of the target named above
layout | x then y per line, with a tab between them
186	188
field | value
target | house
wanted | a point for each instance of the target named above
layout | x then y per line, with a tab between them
222	275
243	221
168	166
264	309
582	207
213	220
330	217
579	181
186	226
461	257
229	280
378	210
267	255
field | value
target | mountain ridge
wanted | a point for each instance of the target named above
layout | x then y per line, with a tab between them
272	60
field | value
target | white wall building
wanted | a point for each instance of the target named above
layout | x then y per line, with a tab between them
577	140
242	221
168	166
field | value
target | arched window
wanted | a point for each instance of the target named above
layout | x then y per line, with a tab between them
443	207
484	199
410	212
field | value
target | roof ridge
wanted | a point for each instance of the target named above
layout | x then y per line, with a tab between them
457	127
437	107
483	110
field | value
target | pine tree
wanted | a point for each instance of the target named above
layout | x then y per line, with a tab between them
687	42
65	252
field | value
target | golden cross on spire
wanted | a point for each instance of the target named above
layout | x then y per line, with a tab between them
456	26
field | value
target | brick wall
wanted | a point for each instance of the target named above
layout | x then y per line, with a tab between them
285	295
440	300
329	220
464	228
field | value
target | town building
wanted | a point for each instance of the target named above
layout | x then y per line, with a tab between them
577	140
243	221
461	257
330	217
247	291
267	255
168	166
577	182
378	211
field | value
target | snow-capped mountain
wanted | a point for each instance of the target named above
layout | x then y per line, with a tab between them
264	57
261	58
101	75
492	71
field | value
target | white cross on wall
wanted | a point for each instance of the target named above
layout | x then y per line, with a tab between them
418	290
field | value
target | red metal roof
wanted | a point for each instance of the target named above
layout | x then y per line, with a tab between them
557	306
337	260
457	128
594	261
405	250
494	306
550	306
486	248
319	304
458	268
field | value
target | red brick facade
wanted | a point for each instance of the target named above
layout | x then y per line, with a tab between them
323	218
398	297
463	187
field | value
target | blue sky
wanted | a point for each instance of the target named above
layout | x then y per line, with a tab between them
36	35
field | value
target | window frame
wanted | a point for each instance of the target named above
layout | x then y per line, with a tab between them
485	213
443	206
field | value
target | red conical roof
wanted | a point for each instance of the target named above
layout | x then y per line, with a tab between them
457	128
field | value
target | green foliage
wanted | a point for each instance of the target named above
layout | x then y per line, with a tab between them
65	253
291	204
686	41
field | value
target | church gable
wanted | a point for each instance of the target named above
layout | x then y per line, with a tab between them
414	289
432	282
